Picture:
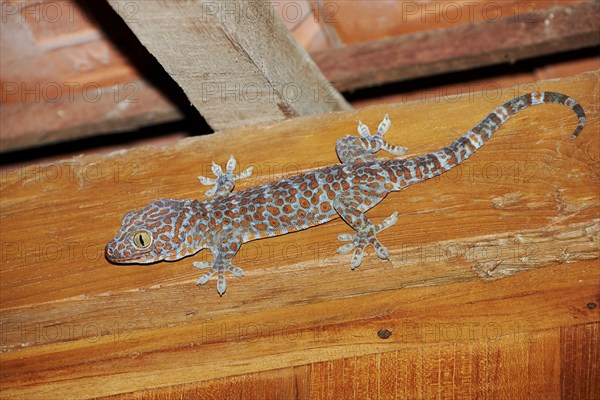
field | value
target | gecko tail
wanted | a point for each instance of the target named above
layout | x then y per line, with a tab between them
408	172
563	100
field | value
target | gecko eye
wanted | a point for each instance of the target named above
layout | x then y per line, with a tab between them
142	239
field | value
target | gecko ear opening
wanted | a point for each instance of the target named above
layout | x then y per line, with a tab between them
142	239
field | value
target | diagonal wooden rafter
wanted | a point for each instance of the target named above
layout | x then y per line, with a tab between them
235	60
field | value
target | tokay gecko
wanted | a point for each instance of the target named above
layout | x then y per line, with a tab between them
173	229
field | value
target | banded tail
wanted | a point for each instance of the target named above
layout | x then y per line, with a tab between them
407	172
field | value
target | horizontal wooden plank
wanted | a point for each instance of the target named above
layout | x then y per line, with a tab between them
513	366
474	313
360	21
63	78
284	383
461	47
508	241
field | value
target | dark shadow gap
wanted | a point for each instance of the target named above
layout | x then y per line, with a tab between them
460	77
27	156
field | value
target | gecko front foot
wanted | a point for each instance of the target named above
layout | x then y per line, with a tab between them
220	271
360	240
225	181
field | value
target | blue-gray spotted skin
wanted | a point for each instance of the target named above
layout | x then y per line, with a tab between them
173	229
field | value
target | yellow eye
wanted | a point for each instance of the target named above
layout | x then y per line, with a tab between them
142	239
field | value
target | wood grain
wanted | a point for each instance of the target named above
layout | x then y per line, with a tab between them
580	370
235	60
507	245
461	47
358	21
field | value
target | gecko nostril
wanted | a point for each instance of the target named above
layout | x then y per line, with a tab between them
109	251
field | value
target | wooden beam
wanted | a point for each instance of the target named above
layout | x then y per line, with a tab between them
462	47
66	79
505	244
62	78
235	60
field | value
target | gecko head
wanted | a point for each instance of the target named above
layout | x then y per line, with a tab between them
160	231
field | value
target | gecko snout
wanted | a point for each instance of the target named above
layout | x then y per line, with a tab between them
109	251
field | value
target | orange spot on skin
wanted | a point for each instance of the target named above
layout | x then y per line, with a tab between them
259	216
261	227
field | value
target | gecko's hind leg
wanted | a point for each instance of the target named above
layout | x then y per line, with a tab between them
359	149
225	181
366	233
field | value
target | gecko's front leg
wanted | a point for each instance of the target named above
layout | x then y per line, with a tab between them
228	244
225	181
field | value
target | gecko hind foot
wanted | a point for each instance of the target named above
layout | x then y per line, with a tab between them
374	143
220	271
225	181
360	240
